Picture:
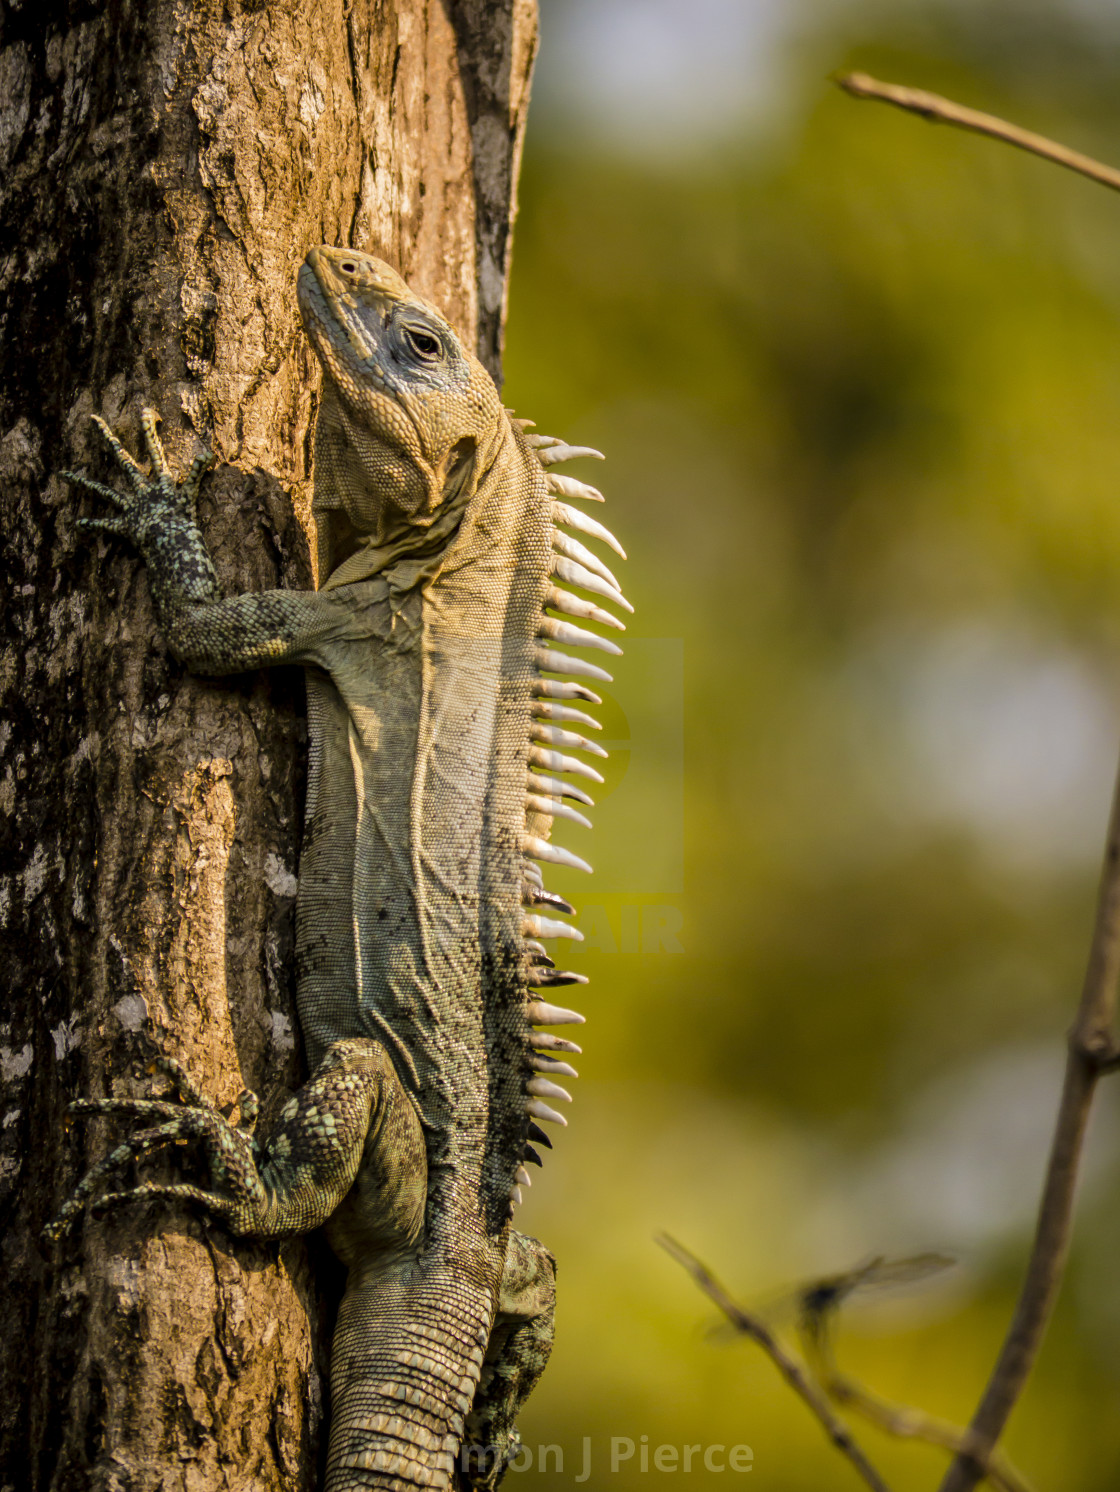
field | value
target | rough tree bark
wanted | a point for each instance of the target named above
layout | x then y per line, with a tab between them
164	167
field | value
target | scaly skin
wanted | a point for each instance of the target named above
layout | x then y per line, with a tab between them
416	955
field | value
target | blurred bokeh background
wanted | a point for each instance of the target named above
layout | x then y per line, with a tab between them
858	380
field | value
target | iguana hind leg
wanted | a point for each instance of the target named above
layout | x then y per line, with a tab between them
297	1178
520	1343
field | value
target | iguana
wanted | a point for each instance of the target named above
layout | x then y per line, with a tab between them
441	714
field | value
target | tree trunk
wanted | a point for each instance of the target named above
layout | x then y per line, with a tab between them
163	170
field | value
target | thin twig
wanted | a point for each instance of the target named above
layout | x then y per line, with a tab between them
914	1424
790	1368
900	1420
1091	1051
940	110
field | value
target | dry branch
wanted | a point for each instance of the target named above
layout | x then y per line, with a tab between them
791	1369
938	110
819	1378
907	1423
1092	1047
1092	1051
820	1302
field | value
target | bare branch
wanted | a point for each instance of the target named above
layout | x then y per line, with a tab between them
914	1424
791	1369
820	1302
1092	1051
940	110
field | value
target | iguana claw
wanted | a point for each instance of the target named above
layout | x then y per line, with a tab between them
159	516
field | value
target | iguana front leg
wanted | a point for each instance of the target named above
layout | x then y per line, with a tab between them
159	517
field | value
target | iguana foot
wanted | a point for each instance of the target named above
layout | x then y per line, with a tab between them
290	1184
231	1152
160	515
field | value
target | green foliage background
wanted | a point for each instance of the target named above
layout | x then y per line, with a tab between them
859	384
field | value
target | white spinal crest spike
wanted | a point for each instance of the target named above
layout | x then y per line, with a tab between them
572	549
557	599
550	1043
549	1064
556	451
549	661
576	637
552	735
545	1088
544	711
540	849
575	518
540	1013
548	927
541	1110
522	1177
555	761
561	486
553	808
563	689
573	573
552	787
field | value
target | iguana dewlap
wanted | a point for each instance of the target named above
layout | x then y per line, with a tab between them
442	712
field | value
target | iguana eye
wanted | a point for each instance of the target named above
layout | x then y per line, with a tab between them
423	344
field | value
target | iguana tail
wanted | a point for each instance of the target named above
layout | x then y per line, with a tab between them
407	1354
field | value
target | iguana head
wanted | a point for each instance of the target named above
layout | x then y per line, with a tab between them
406	414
